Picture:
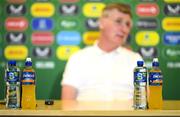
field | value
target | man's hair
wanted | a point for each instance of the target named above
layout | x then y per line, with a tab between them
124	8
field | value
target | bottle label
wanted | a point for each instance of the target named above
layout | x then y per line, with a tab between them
28	78
155	78
13	96
13	76
140	97
140	77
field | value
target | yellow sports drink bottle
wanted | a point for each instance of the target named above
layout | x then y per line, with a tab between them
28	86
155	99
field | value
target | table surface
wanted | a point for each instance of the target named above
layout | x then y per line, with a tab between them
74	108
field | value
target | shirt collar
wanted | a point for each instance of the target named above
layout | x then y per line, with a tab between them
100	51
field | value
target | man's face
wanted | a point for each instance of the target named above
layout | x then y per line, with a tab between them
115	27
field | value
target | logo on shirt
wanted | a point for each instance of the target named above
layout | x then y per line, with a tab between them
93	9
16	9
68	38
15	38
64	52
171	24
147	9
42	9
172	38
172	9
92	24
90	37
148	52
42	38
43	24
14	52
68	9
147	38
16	24
147	23
42	52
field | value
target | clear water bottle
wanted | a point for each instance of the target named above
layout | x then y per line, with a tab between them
140	86
12	78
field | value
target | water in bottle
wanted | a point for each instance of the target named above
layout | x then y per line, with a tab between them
155	99
28	86
12	79
140	86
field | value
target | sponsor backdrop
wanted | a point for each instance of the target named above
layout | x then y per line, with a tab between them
50	31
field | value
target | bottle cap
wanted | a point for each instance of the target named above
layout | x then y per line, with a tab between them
140	63
155	62
49	102
28	63
12	62
28	59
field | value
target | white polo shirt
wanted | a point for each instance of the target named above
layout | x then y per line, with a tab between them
101	76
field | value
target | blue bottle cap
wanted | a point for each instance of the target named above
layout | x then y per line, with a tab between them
140	63
28	63
12	62
155	64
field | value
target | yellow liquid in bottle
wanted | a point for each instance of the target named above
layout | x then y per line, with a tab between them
28	100
155	99
28	97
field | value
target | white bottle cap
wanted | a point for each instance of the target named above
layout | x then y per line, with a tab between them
28	59
155	60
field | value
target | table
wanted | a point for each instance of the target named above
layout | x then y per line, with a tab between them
74	108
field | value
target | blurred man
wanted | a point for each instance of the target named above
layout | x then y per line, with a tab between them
104	71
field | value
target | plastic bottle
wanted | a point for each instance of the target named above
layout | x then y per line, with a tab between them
12	79
28	86
140	86
155	99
